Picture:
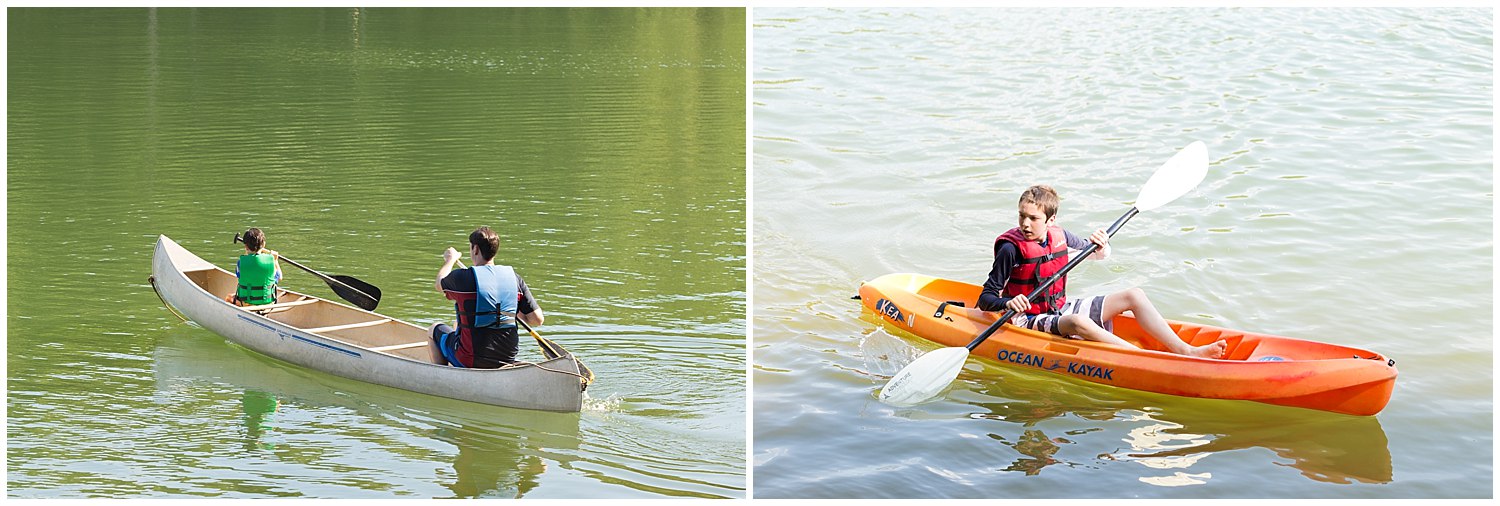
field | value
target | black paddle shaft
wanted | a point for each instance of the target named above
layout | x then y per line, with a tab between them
1048	284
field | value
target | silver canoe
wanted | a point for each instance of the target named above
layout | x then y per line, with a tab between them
353	343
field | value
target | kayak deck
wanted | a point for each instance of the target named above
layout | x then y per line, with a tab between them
1259	367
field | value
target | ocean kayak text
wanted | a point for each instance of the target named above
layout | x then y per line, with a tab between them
1037	361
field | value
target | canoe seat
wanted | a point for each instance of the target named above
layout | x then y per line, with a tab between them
265	308
395	347
371	323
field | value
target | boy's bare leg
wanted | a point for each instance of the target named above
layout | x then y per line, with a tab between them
1135	301
1081	326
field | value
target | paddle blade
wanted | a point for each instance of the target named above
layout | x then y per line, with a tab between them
925	378
357	292
1175	178
552	350
588	374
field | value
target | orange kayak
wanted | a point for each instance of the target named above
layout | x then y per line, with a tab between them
1256	367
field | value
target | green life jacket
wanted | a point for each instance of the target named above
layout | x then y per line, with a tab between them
257	275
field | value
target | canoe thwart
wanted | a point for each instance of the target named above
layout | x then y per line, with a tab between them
395	347
371	323
280	305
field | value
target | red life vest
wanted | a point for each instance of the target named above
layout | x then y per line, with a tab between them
464	351
1037	263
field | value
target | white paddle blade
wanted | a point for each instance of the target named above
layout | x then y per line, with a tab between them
1175	178
925	377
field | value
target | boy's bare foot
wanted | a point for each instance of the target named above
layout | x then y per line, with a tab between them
1212	350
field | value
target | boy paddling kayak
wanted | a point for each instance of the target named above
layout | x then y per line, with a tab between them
1037	249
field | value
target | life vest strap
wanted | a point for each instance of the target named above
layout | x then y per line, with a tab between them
1043	258
1036	263
467	318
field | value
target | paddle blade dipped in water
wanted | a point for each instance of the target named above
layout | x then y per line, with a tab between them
925	377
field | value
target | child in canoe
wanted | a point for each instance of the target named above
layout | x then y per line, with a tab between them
1027	255
257	271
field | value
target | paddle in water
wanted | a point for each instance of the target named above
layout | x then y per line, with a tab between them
930	374
357	292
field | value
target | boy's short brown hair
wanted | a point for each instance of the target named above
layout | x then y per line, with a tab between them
254	239
487	241
1041	196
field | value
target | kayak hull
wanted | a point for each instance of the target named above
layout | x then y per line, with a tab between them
1256	367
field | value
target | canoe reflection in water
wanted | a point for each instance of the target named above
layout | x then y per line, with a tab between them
491	464
258	407
499	451
1168	435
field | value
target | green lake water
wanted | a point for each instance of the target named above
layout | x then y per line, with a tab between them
606	146
1349	199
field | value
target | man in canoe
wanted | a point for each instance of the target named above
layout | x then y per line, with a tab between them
1027	255
487	299
258	271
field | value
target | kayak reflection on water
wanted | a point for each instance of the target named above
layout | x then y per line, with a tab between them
1169	435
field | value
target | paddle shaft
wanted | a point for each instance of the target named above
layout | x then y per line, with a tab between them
324	277
1040	289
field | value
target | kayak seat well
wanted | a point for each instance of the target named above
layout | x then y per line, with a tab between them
1279	350
1236	347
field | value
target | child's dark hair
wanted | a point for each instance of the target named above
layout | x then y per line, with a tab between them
254	239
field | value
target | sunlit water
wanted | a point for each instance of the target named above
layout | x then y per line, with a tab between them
1349	200
607	148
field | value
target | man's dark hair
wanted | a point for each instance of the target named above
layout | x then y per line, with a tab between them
487	242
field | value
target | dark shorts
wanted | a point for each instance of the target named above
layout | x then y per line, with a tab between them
497	348
447	343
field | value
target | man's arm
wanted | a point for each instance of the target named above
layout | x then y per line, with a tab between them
450	256
527	308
